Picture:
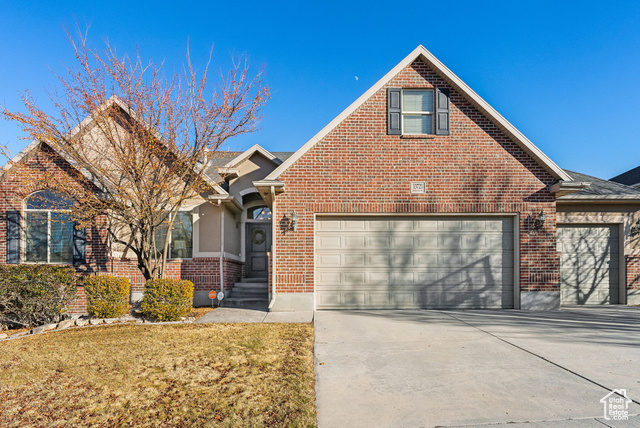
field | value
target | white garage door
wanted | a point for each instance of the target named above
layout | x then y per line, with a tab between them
589	272
414	262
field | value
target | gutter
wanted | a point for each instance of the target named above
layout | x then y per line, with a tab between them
229	199
268	189
562	188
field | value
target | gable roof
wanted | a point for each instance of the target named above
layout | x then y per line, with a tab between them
630	178
248	153
230	159
33	145
113	100
422	53
600	189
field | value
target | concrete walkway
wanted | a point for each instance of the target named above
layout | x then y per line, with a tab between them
466	368
230	315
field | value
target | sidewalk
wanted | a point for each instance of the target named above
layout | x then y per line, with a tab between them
253	316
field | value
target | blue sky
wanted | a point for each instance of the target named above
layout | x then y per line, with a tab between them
567	76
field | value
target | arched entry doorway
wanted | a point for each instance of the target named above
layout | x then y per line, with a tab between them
257	241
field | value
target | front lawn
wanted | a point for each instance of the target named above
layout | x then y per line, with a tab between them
163	375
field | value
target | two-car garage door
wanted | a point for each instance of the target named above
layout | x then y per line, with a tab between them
414	262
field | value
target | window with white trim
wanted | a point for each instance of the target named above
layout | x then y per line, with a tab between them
417	111
180	238
48	228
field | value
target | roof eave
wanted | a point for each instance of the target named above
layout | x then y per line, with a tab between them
563	188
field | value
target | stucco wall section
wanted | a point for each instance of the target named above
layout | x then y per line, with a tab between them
255	168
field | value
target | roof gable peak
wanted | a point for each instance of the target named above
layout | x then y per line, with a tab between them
420	52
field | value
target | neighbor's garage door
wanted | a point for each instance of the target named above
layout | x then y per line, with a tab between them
406	262
589	272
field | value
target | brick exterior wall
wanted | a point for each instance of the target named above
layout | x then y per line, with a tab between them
45	166
358	168
633	272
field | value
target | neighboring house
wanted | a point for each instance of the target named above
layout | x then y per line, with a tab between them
629	178
418	195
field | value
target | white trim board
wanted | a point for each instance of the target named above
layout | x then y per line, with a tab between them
248	153
422	53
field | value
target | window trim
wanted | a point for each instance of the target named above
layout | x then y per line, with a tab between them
193	241
431	113
23	227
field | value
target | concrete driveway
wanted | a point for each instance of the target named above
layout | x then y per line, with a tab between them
448	368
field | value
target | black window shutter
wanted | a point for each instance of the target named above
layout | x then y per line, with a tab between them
394	111
13	237
79	245
442	112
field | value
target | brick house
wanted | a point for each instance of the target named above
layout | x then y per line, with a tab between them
418	195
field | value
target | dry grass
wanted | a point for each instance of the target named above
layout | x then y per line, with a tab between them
171	375
198	312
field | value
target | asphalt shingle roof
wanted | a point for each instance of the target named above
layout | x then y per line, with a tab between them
630	178
600	187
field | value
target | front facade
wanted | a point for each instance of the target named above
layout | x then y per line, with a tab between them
419	195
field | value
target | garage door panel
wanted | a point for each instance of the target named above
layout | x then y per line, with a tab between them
414	262
589	260
589	271
329	242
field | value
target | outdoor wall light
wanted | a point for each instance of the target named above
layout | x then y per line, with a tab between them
635	229
294	220
539	222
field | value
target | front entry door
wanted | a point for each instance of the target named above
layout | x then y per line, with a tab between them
258	245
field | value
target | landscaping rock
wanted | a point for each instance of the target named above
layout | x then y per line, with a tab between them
3	336
81	322
24	333
66	324
43	328
111	320
96	321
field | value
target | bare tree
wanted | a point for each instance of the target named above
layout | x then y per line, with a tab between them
140	139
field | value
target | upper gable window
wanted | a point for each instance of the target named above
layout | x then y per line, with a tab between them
417	111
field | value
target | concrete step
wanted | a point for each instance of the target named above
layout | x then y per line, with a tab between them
259	280
249	303
251	285
249	293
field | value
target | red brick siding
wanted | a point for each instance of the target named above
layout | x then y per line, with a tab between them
358	168
633	272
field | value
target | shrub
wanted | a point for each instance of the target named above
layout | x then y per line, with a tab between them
107	296
32	295
167	299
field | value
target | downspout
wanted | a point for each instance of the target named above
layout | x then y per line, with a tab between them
273	247
221	246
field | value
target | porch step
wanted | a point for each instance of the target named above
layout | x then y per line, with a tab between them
247	303
248	293
258	280
250	286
